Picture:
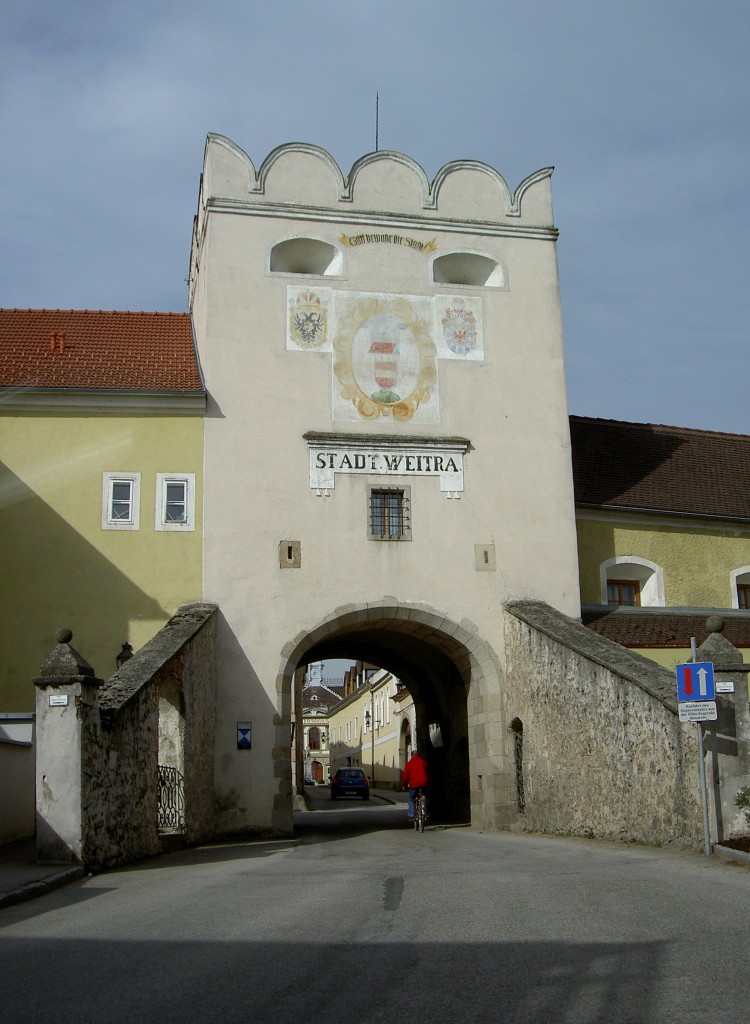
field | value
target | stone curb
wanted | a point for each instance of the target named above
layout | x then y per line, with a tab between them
726	853
300	800
39	888
385	799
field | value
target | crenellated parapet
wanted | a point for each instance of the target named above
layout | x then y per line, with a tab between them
385	182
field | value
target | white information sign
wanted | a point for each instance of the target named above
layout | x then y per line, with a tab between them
440	458
697	711
725	687
58	700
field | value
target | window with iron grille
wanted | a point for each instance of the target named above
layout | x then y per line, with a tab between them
390	513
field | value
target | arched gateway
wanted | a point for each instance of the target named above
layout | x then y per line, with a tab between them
452	675
376	427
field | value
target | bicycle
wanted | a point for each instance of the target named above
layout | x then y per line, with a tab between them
420	810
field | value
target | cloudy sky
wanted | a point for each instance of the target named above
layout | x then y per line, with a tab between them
641	107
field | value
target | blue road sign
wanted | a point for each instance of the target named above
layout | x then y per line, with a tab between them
695	681
244	735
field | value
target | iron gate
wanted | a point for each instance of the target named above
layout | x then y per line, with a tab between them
171	800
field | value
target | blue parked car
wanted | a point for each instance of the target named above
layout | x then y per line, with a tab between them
350	782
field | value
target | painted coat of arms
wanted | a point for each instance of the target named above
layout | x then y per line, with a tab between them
308	320
385	361
459	328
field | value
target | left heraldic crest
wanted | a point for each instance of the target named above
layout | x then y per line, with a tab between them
308	320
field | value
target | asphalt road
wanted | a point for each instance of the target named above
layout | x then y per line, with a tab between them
360	919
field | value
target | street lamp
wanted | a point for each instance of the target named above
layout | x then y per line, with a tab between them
370	717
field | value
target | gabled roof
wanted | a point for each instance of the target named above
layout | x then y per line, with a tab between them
320	696
663	627
88	349
675	470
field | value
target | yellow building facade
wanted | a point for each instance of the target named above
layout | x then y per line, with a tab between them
373	728
697	560
663	528
101	491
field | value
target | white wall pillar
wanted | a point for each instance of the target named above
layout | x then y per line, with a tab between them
67	718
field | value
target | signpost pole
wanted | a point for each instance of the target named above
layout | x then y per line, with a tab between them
702	769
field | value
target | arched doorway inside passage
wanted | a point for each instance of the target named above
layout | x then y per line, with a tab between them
456	682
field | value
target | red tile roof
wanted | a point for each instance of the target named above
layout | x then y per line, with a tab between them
634	466
667	627
59	348
616	465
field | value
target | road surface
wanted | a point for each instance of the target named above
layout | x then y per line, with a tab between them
359	919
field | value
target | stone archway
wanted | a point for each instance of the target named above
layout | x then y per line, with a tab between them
455	679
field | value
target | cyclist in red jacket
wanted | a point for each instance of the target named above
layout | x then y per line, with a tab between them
414	777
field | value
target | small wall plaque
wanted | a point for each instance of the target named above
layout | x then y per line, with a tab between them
58	700
724	686
244	735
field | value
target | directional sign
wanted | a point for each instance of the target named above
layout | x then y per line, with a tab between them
697	710
695	681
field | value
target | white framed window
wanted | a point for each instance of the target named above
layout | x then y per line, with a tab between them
121	501
175	501
631	580
740	584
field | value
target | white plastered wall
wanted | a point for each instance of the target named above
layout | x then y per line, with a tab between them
511	406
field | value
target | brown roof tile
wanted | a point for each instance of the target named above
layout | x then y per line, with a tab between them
54	348
651	627
656	468
321	696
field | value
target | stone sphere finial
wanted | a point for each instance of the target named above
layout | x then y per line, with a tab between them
715	624
63	635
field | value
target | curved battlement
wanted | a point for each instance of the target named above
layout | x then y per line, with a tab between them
384	182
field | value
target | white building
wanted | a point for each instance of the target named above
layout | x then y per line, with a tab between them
387	454
317	701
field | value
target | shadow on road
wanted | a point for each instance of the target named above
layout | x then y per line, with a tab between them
206	981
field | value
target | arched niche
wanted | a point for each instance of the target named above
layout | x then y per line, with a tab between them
309	256
468	268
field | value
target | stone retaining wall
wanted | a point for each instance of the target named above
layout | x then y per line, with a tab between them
98	744
604	753
182	651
